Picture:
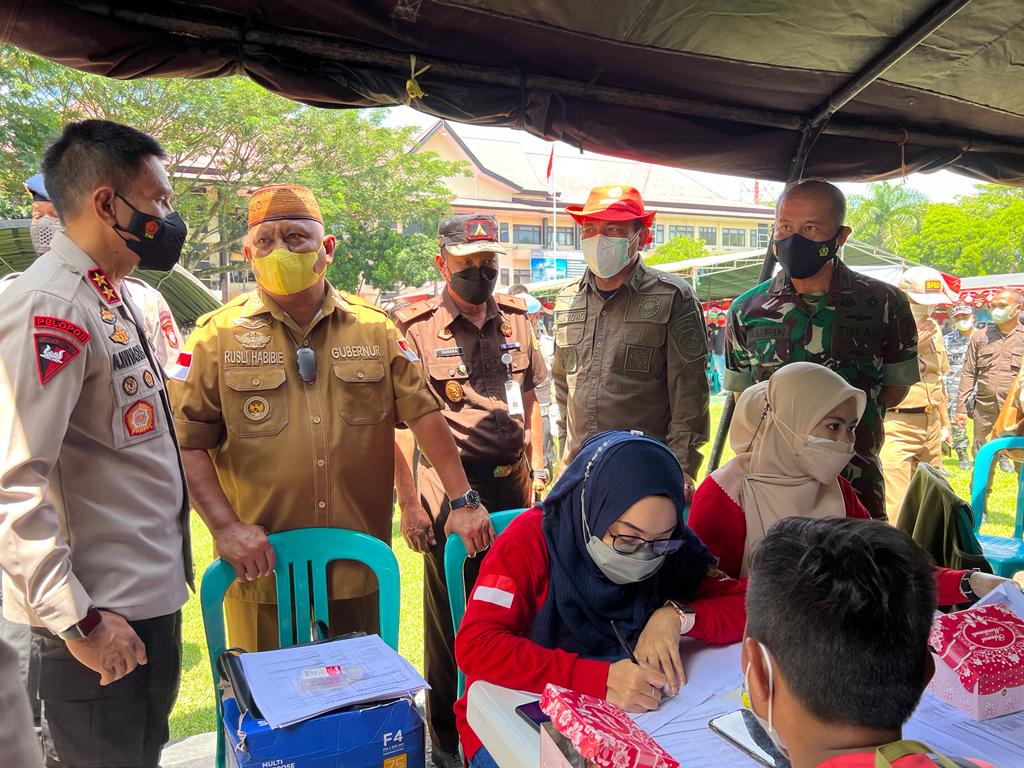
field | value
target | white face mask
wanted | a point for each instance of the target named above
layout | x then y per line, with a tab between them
819	457
1001	315
607	256
965	325
768	725
620	568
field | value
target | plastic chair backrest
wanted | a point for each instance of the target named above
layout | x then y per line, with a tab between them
980	477
300	572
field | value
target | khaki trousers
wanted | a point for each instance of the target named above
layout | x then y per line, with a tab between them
910	439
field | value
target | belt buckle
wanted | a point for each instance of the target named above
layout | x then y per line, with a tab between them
503	471
929	408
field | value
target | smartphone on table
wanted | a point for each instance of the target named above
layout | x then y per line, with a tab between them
742	729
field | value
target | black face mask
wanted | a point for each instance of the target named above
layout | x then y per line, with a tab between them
160	240
474	285
803	258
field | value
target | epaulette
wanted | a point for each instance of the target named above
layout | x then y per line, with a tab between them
204	319
672	279
508	301
408	314
353	298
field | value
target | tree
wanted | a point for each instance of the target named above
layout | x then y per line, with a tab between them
978	235
887	215
225	136
676	249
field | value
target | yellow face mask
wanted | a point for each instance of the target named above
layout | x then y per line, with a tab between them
282	271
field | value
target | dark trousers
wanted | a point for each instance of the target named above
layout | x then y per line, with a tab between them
497	494
122	725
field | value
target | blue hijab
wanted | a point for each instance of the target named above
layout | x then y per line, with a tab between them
616	469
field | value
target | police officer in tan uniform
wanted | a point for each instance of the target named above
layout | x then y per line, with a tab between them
478	352
630	344
93	506
287	413
916	428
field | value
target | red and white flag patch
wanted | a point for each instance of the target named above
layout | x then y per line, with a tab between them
499	590
47	323
53	354
407	350
179	369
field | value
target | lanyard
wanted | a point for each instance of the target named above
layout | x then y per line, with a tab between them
888	753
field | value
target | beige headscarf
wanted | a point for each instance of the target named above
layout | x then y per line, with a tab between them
766	478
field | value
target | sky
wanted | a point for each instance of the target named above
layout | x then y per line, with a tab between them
940	187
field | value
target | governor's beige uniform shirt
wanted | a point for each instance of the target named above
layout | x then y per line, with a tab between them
91	487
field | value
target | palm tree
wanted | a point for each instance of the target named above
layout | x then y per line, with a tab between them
887	215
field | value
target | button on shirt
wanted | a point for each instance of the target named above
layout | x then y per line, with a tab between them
92	495
291	454
634	360
464	365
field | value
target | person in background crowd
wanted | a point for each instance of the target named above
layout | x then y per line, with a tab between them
819	310
287	418
546	345
956	341
991	362
94	539
835	656
478	353
792	436
916	428
630	345
716	344
606	549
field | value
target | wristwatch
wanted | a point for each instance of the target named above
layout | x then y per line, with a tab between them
469	499
687	616
965	585
539	474
83	628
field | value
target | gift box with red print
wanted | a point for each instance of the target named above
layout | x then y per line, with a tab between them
601	732
979	661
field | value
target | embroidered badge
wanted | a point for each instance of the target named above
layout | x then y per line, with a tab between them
107	316
444	333
638	359
448	352
252	323
407	350
689	338
48	323
253	340
648	307
53	353
167	326
130	385
453	391
570	316
178	370
139	418
506	329
256	408
147	377
99	280
120	335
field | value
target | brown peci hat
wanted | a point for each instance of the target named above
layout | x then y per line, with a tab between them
283	201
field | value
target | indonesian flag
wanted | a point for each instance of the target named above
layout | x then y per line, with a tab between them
498	590
179	368
551	168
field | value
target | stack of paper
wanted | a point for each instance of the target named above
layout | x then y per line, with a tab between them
370	668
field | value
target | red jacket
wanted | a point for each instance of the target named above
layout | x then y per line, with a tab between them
720	523
493	645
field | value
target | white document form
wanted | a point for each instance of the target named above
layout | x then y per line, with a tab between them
373	672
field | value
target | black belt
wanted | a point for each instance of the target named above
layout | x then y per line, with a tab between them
922	409
501	470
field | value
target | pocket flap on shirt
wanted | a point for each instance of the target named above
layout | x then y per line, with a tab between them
359	371
569	334
249	379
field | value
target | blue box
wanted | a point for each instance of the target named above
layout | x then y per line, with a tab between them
387	735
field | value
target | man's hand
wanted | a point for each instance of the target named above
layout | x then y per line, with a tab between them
961	420
944	434
113	650
247	548
634	688
417	526
540	487
658	647
689	486
473	525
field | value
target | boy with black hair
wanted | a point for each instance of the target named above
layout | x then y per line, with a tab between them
836	656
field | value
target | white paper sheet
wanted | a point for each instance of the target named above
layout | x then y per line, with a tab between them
273	678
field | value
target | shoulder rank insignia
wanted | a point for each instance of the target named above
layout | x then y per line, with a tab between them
252	323
100	282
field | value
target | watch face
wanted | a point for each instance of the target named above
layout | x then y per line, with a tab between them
472	499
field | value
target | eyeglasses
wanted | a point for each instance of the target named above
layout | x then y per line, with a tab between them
630	545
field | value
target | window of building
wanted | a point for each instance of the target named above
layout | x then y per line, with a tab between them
503	232
676	230
504	277
764	233
523	275
733	237
659	234
709	235
527	234
566	237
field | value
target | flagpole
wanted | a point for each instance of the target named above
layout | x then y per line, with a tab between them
554	203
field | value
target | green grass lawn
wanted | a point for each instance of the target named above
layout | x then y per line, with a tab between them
194	711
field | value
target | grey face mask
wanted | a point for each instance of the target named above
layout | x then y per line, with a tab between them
42	232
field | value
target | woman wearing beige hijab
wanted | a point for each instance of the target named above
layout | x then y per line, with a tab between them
793	435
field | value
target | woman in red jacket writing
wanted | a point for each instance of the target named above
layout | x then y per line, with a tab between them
793	435
606	549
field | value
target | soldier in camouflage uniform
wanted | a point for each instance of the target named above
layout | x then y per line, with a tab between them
819	310
956	348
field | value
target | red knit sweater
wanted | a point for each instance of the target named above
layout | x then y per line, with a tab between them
719	522
492	643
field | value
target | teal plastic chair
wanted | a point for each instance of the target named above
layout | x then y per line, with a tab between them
302	559
455	576
1005	554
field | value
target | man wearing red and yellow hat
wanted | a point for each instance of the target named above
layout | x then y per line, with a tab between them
630	345
286	416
